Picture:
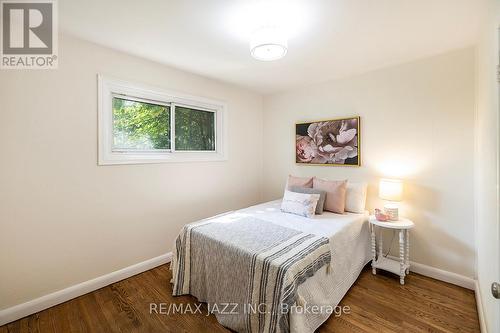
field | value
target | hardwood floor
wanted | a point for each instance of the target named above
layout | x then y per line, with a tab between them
378	304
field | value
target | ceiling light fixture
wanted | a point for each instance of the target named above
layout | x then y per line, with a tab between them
268	43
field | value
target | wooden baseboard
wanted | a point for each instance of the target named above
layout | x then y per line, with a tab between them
441	275
480	310
22	310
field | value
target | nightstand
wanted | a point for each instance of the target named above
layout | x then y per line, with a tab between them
400	267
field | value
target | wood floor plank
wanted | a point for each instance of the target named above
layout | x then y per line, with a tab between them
377	304
417	305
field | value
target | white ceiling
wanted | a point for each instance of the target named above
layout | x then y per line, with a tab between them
328	38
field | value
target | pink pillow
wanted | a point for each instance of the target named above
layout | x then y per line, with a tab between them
335	193
299	181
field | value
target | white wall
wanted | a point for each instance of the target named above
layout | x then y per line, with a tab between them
487	199
63	219
417	123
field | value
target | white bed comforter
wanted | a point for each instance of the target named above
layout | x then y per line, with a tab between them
349	241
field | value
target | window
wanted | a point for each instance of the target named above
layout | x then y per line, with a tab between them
146	125
194	129
140	126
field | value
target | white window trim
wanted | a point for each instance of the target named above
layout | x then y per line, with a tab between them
107	87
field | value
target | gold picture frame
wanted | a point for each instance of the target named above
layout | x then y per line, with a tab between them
330	142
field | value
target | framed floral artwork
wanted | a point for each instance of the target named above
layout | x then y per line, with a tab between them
328	142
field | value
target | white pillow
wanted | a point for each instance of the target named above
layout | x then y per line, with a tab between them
303	204
355	197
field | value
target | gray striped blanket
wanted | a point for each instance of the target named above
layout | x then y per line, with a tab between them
246	269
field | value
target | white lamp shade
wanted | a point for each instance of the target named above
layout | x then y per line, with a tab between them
268	43
390	189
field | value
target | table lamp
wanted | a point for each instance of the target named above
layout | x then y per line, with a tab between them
391	190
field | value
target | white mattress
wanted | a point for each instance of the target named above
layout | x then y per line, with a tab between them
350	246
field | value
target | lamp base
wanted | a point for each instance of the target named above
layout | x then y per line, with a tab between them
393	211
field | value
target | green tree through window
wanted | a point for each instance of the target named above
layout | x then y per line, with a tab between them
143	126
140	125
194	129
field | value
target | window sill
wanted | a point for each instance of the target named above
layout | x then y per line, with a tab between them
117	158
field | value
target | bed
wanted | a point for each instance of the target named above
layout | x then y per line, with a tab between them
347	238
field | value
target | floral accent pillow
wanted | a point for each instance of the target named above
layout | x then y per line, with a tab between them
322	196
303	204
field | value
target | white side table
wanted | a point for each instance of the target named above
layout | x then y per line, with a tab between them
400	267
